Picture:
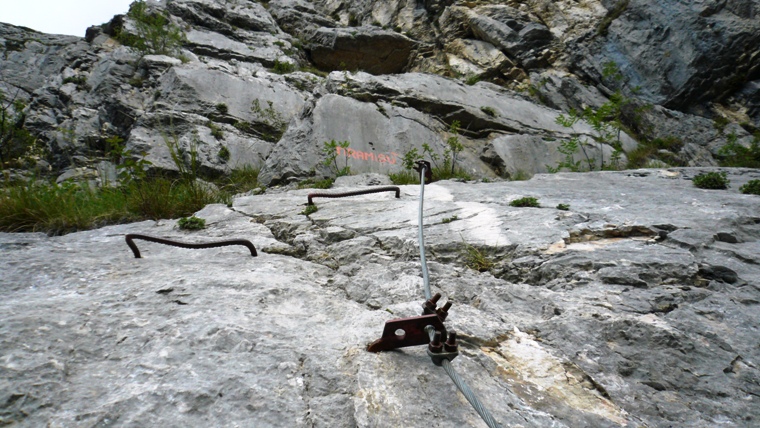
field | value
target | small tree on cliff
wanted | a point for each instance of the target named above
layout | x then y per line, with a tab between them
156	34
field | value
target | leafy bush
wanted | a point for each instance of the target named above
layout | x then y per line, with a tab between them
711	180
191	223
563	207
527	201
751	188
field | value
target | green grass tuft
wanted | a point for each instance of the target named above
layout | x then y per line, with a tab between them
527	201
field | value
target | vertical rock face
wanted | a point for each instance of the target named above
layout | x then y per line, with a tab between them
677	51
637	306
249	79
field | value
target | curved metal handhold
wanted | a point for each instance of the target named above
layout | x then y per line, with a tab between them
355	193
132	236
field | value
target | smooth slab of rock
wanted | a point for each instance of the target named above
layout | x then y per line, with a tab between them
643	293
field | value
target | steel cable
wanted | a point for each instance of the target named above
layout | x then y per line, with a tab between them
423	261
469	395
458	381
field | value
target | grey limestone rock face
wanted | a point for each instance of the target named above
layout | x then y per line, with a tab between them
636	307
673	50
246	79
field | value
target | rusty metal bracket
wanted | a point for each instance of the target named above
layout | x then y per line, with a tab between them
132	236
354	193
411	332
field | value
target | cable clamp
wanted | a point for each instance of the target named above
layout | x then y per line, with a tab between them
439	351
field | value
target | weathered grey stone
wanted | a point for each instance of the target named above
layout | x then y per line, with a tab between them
588	317
224	16
369	49
512	32
640	42
264	49
379	134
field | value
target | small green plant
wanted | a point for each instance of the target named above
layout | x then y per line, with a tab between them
15	141
563	207
519	175
711	180
79	81
310	209
283	67
449	219
332	150
239	180
527	201
720	123
751	188
612	14
488	110
476	259
222	108
224	154
129	167
270	125
137	81
404	177
734	154
568	148
156	34
191	223
216	130
312	183
472	79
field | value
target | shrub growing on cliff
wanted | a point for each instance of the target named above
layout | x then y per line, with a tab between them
751	188
332	150
528	201
734	154
444	165
15	141
711	180
156	34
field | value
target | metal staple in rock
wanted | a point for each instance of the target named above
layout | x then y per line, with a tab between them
458	381
355	193
131	237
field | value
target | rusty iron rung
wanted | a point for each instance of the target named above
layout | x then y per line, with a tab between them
354	193
132	236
